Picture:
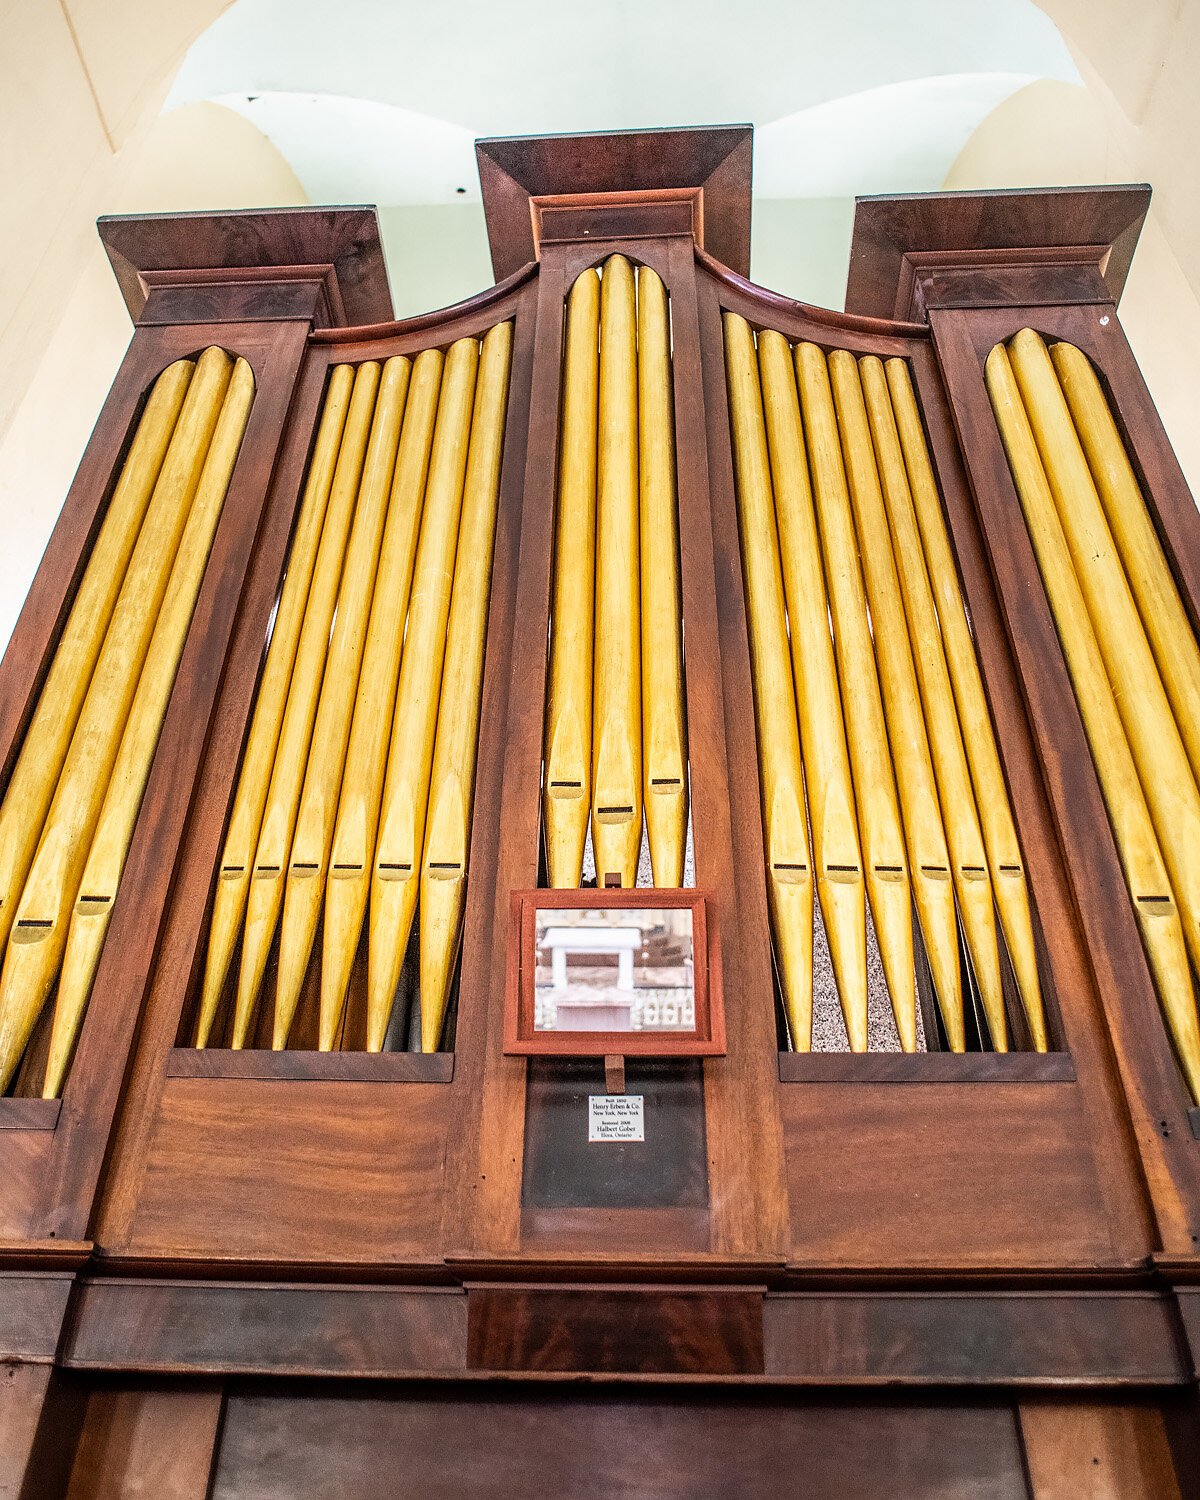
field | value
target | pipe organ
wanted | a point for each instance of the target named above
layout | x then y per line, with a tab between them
875	630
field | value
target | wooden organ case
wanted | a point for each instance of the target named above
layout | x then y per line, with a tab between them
881	621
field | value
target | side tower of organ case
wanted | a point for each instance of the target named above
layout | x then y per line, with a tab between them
876	628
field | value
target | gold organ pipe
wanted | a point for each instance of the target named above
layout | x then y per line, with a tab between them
31	787
1145	872
886	509
991	795
880	827
568	752
1146	567
616	669
789	867
278	823
39	934
114	831
664	734
822	733
1150	728
241	840
313	835
366	758
452	781
396	879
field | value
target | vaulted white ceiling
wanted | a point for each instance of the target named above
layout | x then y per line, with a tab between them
378	101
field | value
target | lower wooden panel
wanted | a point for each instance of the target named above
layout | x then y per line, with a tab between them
237	1168
976	1339
140	1444
1076	1451
32	1305
482	1444
23	1157
229	1326
965	1175
649	1330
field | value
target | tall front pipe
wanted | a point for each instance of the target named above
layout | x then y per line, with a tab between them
894	518
39	934
331	728
789	866
31	787
880	828
1145	872
241	838
1163	615
566	800
616	669
664	732
353	852
396	878
1150	728
991	795
452	781
114	831
840	886
295	734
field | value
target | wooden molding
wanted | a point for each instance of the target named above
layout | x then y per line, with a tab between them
901	240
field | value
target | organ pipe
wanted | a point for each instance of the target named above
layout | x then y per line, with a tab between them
789	867
616	669
366	759
840	885
396	878
1164	618
245	822
1150	728
884	849
923	826
664	741
295	734
886	511
1154	903
331	729
939	576
114	831
566	801
39	934
452	781
31	787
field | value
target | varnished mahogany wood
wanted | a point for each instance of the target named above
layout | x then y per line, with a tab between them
515	172
1094	1451
926	1067
888	228
32	1304
237	1327
341	244
141	1441
623	1444
682	1331
974	1339
346	1067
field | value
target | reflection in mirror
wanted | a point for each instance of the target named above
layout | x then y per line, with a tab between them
614	969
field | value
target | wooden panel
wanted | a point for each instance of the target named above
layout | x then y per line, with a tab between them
40	1413
928	1175
317	1171
679	1331
930	1338
32	1305
1094	1452
564	1170
493	1446
147	1444
24	1154
230	1326
325	1067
